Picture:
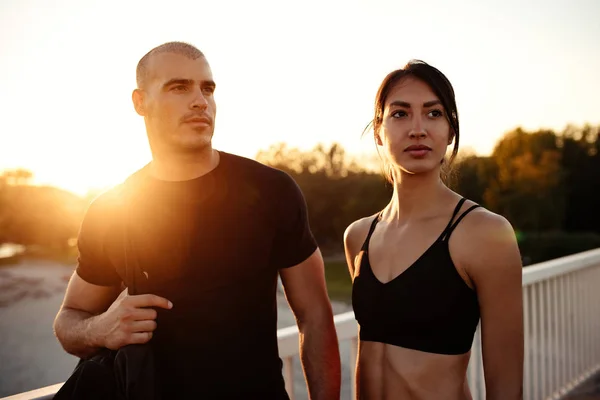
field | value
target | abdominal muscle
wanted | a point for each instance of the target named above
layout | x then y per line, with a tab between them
387	372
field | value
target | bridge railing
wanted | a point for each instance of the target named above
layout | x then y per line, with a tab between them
561	306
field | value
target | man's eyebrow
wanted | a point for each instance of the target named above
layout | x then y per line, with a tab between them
178	81
189	82
399	103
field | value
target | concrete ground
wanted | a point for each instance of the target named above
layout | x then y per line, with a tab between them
588	390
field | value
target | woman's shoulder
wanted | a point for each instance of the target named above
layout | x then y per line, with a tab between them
484	223
356	233
483	240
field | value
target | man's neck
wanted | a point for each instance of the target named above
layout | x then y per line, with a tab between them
183	167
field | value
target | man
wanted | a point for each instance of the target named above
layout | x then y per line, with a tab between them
210	232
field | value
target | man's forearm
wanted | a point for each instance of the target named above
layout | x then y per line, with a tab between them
74	330
320	355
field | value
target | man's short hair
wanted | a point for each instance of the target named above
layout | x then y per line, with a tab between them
182	48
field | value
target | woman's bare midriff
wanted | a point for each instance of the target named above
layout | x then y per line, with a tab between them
388	372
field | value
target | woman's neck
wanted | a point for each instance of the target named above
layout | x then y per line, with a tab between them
415	195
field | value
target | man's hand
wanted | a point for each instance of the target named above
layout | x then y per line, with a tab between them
129	320
93	317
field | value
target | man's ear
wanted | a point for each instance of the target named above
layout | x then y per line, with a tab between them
138	102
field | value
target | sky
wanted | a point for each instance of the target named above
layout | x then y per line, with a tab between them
300	72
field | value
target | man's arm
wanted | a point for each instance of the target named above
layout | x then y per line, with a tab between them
94	317
306	292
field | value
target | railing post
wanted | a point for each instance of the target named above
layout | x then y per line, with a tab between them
353	360
543	338
535	342
563	337
556	332
527	344
288	371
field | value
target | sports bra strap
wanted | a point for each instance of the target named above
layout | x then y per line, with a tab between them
365	245
454	214
453	226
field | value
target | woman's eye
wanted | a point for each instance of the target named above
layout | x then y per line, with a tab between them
435	113
399	114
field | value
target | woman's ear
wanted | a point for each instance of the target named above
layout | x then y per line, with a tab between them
450	138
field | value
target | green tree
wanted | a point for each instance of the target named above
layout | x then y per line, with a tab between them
581	164
473	175
528	187
336	189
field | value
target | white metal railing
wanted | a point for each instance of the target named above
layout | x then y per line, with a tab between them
561	307
561	312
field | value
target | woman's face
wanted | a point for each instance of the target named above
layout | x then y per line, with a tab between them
414	131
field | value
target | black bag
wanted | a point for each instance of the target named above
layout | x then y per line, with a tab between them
124	374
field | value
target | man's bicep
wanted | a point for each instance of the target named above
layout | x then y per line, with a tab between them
97	233
84	296
305	287
293	241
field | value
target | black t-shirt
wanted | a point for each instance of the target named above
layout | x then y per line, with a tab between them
213	246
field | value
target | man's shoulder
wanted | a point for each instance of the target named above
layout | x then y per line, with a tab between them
243	166
109	200
105	203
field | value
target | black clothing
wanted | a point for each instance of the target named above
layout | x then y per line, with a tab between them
212	246
428	307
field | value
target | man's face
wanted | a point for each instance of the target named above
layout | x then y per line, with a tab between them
177	103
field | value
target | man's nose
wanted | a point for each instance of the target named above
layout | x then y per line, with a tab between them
199	101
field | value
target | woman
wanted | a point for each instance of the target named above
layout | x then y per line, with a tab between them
431	264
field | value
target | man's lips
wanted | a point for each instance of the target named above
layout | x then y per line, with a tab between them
202	120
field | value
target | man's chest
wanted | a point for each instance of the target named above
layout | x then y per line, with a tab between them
198	246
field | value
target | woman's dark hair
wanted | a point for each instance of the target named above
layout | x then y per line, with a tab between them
436	80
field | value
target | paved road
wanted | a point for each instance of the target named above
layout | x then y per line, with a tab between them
30	295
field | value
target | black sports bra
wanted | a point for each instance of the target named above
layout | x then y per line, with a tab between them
428	307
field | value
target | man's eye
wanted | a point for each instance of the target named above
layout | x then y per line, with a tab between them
208	90
179	88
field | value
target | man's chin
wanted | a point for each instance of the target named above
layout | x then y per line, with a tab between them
193	143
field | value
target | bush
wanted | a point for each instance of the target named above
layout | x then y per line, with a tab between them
339	284
539	247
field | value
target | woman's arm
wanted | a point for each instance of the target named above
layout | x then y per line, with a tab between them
487	249
354	235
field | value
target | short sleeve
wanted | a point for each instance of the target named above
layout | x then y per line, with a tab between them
93	264
294	241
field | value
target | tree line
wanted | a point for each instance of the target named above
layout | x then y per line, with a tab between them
546	183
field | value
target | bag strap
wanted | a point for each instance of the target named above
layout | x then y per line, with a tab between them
129	254
132	269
